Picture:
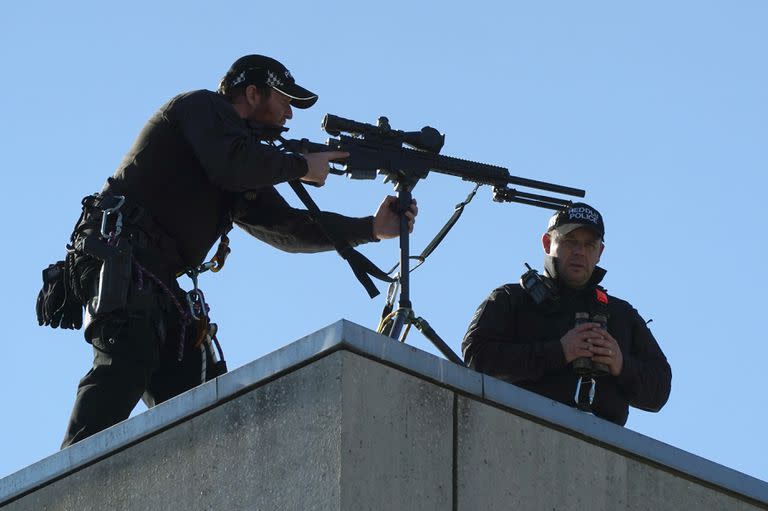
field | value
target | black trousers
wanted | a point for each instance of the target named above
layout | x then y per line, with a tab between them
135	356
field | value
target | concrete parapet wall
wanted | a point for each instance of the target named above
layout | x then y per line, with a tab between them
509	462
347	419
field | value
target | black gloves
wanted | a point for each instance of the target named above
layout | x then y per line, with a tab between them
57	305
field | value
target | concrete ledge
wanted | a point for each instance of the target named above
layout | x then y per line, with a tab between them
107	442
342	334
350	336
443	385
630	442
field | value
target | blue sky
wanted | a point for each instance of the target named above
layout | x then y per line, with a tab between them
657	109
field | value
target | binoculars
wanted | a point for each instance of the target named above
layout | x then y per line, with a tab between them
584	366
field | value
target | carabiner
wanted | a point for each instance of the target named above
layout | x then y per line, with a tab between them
192	274
392	291
107	212
222	251
198	309
585	405
191	306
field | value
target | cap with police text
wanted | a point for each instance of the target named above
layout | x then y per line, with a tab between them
577	215
266	72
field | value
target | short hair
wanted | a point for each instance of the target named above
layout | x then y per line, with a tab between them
234	93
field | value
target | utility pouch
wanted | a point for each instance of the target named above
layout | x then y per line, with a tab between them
57	304
115	273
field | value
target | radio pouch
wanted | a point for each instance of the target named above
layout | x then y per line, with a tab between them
115	274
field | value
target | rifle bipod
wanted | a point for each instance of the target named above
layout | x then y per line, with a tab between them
393	321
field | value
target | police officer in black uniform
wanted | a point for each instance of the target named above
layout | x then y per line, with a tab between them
204	161
562	336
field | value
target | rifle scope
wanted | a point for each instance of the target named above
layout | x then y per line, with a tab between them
428	139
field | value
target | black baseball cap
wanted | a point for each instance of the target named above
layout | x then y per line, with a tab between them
266	72
575	216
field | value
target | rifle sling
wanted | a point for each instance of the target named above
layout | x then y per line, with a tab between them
459	209
361	266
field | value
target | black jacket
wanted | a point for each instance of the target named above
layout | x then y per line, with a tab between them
197	166
512	338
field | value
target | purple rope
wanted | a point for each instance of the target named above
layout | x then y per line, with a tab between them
184	317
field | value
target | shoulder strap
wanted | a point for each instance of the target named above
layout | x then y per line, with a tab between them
361	266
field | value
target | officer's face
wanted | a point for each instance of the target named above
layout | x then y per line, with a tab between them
275	109
577	253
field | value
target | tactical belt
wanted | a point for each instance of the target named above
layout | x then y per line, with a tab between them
117	214
132	214
156	248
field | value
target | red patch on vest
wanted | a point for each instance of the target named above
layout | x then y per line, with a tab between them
601	296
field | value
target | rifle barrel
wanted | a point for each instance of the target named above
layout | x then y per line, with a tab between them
491	174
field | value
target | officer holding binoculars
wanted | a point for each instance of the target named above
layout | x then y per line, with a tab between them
562	336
